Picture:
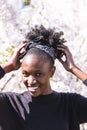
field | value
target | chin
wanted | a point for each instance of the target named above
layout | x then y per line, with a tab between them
34	94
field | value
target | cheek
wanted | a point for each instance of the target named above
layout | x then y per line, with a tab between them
45	80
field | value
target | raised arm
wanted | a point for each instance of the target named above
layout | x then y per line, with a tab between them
13	63
69	64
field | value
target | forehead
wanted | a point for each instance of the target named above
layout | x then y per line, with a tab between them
34	62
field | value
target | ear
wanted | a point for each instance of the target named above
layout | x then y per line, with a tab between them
52	71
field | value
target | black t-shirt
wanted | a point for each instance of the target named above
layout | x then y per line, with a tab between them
56	111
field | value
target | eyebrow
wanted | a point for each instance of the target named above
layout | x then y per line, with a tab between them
36	71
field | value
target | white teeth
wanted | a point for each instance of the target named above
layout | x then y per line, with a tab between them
32	88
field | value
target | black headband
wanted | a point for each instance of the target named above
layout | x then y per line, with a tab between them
48	49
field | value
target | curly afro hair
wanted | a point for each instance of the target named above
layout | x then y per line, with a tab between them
44	36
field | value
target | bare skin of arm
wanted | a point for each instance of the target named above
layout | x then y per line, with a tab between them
14	62
69	64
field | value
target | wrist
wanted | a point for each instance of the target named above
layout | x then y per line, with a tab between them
79	73
8	67
73	69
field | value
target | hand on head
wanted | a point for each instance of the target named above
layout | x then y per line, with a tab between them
67	62
15	61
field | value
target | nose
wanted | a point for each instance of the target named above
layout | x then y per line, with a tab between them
31	80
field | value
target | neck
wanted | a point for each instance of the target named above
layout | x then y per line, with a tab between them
47	91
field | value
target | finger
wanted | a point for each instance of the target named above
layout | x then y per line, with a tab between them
61	60
22	47
62	46
64	50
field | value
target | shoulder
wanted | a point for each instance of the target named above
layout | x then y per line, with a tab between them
17	97
12	97
66	94
71	98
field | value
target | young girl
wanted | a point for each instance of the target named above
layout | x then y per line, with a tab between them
41	108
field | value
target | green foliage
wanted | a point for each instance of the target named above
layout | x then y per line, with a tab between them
27	2
10	50
7	54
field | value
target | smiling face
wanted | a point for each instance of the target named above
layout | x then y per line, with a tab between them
36	74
